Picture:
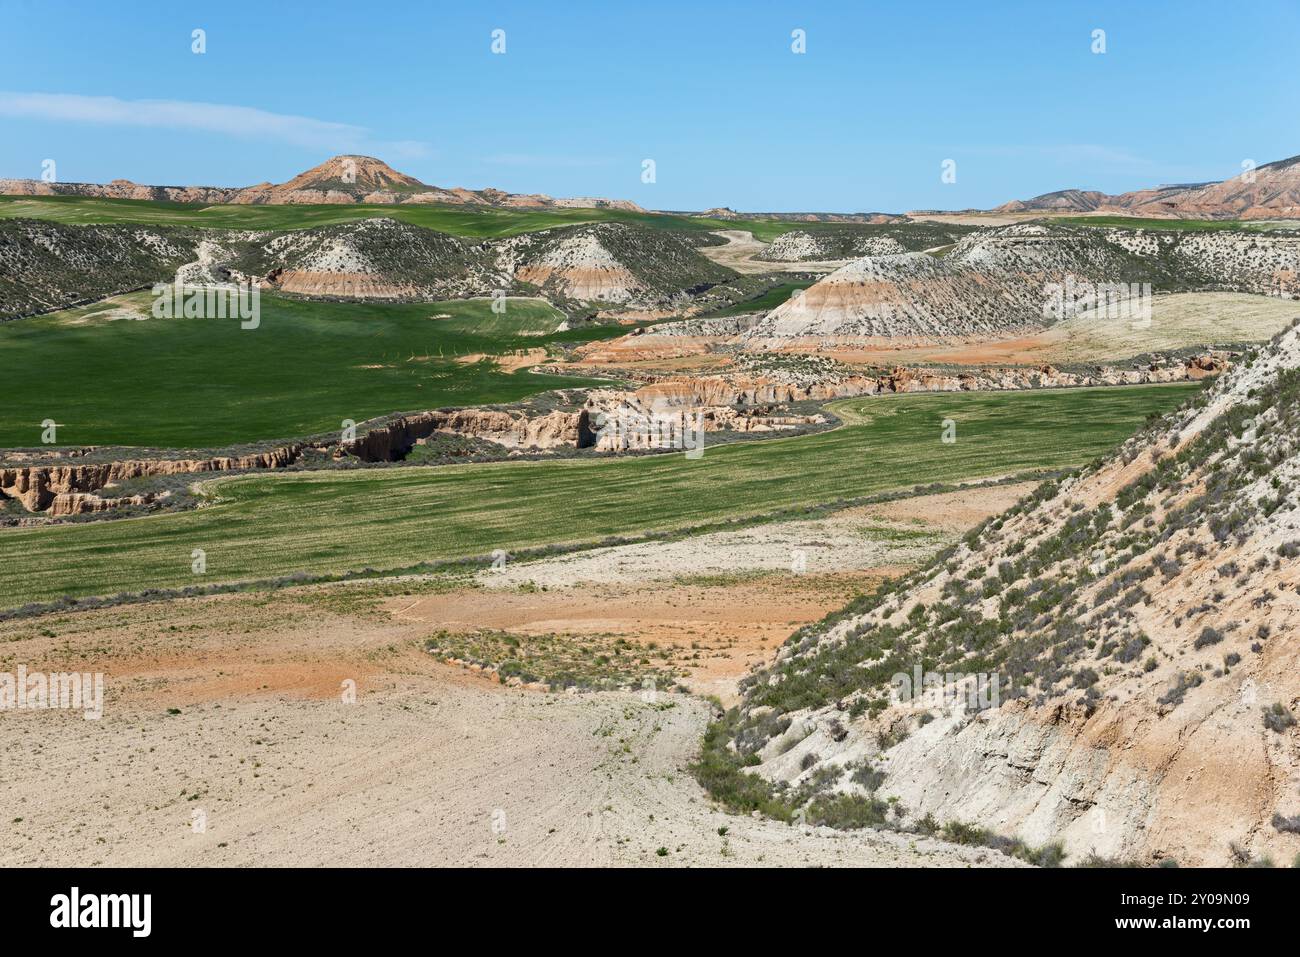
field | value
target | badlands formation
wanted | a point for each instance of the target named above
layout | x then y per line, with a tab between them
1138	620
992	284
1136	615
49	266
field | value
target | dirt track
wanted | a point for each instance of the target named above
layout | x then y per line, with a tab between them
742	247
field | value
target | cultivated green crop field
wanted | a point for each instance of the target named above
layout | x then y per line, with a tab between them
206	383
478	223
329	522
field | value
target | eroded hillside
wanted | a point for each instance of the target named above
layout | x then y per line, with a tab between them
800	245
48	266
1116	659
997	282
609	262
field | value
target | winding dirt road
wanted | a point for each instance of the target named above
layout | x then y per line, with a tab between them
742	247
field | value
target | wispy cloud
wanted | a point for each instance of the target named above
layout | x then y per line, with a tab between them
220	118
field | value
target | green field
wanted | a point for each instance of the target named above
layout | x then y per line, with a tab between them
206	383
328	522
475	222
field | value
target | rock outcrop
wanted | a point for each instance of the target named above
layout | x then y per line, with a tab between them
82	503
37	486
391	442
742	390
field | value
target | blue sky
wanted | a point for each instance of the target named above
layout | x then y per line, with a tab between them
710	91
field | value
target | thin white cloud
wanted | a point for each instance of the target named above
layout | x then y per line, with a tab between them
220	118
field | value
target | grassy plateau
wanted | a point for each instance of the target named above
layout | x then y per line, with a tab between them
328	522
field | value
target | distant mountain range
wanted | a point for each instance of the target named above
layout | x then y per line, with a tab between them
342	179
725	212
1271	191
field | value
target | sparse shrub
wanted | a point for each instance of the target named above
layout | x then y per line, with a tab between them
1278	717
868	776
1208	636
1095	860
887	739
847	811
1240	856
1288	825
1132	649
960	833
1049	855
1186	681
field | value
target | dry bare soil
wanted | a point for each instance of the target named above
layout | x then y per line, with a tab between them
226	739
